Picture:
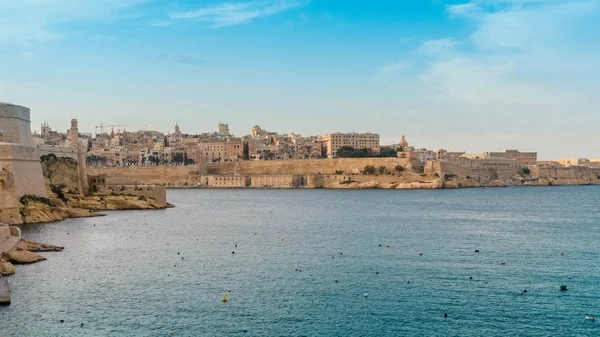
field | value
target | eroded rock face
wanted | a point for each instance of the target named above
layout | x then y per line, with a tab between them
37	212
23	257
37	247
6	268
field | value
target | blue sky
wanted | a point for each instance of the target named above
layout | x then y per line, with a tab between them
468	75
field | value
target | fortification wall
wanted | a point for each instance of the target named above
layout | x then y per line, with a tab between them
192	175
155	175
307	166
444	167
23	162
9	205
572	172
59	151
15	124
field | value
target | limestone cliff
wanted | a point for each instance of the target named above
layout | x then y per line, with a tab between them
66	199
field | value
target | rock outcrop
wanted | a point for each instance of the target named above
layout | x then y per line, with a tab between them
23	257
37	247
435	184
6	268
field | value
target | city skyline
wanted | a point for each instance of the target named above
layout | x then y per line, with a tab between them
460	75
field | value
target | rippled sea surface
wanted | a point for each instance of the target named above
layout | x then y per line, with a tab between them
164	273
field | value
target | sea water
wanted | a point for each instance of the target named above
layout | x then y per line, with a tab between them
165	272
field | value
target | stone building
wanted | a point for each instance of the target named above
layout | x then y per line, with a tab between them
20	168
334	141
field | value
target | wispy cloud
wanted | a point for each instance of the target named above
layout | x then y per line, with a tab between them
391	68
237	13
522	53
160	23
188	60
36	21
304	18
438	46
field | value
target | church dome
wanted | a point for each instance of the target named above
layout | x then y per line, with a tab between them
403	142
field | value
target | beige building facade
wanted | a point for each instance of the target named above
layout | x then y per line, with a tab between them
334	141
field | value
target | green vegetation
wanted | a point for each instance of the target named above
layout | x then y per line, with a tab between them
28	198
399	168
381	169
388	152
350	152
48	157
369	169
57	190
339	172
449	176
524	170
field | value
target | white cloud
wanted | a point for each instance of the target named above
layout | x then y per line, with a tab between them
391	68
160	23
31	21
523	53
438	46
238	13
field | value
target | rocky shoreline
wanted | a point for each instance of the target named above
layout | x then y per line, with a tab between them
25	253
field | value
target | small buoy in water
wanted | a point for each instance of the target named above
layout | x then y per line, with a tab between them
476	250
178	253
502	262
182	257
408	282
569	277
561	254
421	253
224	299
81	324
282	239
296	268
333	238
336	281
380	245
232	252
235	246
525	291
470	277
366	295
564	287
376	273
445	315
388	245
62	320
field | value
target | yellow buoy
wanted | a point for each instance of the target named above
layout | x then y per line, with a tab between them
421	253
502	262
388	245
224	299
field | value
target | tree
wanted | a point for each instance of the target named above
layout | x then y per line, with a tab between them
399	168
381	169
525	170
350	152
369	169
178	158
388	152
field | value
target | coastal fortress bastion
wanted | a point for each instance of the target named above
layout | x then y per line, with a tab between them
20	169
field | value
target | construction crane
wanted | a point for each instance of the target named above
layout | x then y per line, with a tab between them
102	126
